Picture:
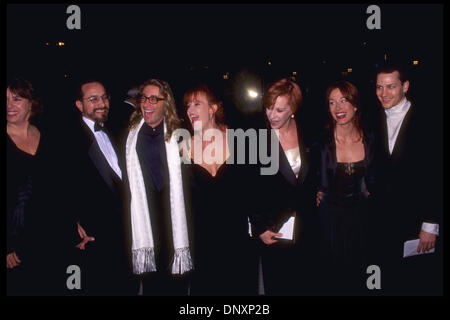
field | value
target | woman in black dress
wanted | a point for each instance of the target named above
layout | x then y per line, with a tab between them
287	193
345	184
223	257
23	151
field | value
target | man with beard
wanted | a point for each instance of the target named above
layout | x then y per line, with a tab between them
96	197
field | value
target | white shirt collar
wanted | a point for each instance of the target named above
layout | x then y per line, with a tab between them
401	107
89	123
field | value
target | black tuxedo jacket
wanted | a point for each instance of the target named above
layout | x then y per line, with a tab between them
97	198
411	176
282	194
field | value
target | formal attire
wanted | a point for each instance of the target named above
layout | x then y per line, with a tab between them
100	208
160	212
225	257
33	223
344	215
411	199
287	265
20	168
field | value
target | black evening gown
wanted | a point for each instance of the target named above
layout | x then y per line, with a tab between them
224	259
19	169
37	227
343	214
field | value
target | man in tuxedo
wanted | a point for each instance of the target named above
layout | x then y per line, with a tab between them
411	201
99	209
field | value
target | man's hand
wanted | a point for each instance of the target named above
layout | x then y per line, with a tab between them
426	241
12	260
266	237
85	238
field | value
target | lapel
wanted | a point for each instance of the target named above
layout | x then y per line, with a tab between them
98	159
285	167
304	156
384	132
400	143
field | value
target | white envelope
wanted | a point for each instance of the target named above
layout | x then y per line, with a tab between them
410	248
287	229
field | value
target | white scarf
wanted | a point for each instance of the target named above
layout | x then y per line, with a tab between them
142	244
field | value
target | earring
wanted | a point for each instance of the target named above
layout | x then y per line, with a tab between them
292	116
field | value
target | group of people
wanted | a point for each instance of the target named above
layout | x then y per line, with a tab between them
157	209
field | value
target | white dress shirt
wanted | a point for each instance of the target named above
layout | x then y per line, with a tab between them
394	118
105	146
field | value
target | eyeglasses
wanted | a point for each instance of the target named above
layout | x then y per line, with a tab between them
96	99
151	99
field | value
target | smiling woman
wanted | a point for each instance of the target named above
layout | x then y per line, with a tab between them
23	146
285	196
346	184
224	259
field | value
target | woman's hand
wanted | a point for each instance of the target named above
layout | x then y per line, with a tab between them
319	197
12	260
267	237
85	238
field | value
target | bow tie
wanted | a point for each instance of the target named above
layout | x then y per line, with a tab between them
98	127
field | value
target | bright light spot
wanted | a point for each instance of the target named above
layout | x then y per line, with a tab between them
252	93
60	44
226	76
349	70
294	73
416	62
269	63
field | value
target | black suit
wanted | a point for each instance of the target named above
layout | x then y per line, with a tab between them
412	185
286	266
99	206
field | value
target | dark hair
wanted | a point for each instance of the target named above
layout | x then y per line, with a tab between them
81	83
283	87
351	93
390	68
191	93
25	89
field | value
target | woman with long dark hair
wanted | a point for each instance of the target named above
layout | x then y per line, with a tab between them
345	184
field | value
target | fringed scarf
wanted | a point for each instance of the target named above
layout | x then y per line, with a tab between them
142	243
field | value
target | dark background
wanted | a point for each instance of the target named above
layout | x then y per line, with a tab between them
128	43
